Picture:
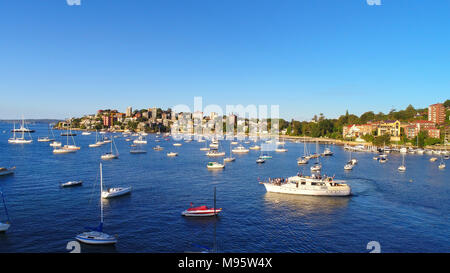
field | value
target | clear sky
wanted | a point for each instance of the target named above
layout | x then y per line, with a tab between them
307	56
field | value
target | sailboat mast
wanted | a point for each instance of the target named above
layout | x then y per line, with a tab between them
4	204
101	190
215	201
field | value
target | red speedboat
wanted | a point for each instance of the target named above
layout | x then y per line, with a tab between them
201	211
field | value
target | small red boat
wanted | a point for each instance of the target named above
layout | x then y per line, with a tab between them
201	211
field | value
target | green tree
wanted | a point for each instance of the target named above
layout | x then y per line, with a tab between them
382	140
447	103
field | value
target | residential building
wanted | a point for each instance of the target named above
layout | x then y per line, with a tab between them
154	113
108	120
129	111
413	129
436	113
355	130
390	127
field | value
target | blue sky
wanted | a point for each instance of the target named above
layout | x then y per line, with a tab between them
308	57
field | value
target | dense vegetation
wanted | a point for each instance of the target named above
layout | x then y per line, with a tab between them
332	128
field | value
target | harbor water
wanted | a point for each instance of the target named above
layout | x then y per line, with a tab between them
403	212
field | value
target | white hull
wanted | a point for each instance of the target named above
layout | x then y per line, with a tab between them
45	140
95	145
72	184
216	154
63	151
119	192
240	151
215	166
307	190
109	156
55	144
201	213
5	171
19	141
4	227
96	238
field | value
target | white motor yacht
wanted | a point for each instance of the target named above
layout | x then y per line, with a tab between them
308	185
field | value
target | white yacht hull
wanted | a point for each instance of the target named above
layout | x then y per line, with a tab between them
96	238
121	192
317	191
109	156
4	227
19	141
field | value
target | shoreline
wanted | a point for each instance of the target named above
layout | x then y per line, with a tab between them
321	140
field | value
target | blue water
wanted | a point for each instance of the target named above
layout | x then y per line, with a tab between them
404	212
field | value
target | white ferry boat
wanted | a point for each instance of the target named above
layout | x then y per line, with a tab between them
308	185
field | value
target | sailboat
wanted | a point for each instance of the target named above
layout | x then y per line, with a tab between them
317	166
54	142
230	158
115	192
6	171
304	159
281	149
97	142
402	167
206	148
140	140
19	140
110	155
67	148
46	138
351	162
70	146
442	164
96	236
203	210
137	150
22	128
4	226
214	152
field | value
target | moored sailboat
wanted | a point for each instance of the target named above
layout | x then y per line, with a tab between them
96	236
4	226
